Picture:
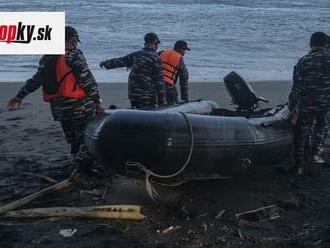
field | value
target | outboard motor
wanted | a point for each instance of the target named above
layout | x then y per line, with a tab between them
242	93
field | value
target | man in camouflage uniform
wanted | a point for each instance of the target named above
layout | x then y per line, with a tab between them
145	83
180	72
309	100
72	113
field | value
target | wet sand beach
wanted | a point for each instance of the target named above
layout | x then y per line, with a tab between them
30	141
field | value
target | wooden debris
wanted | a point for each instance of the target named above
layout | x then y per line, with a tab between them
105	191
127	212
27	199
171	229
220	214
93	192
185	213
46	178
275	239
201	216
204	226
260	214
240	234
318	242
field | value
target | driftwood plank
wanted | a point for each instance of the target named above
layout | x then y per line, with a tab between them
32	197
128	212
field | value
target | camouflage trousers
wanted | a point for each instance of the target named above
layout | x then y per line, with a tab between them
171	94
73	114
74	129
138	104
310	134
74	134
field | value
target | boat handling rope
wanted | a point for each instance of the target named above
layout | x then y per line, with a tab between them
148	173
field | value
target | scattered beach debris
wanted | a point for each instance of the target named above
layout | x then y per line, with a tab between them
127	212
46	178
201	216
66	233
171	229
240	233
105	191
27	199
185	213
317	242
275	239
204	225
260	214
94	192
220	214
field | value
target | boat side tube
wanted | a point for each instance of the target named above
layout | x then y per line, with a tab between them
160	140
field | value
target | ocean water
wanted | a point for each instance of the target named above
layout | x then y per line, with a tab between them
260	39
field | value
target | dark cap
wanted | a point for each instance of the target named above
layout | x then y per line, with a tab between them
181	44
70	32
319	39
151	37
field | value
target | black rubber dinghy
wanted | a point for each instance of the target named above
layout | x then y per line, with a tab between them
210	140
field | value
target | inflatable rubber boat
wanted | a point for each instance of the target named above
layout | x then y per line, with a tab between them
193	139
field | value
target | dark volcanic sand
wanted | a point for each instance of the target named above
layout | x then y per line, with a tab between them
31	142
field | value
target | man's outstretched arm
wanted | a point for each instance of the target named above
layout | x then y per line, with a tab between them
125	61
30	86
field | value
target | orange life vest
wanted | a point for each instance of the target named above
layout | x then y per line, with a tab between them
170	63
66	81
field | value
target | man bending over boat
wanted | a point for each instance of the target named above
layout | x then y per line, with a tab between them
145	82
309	100
70	88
